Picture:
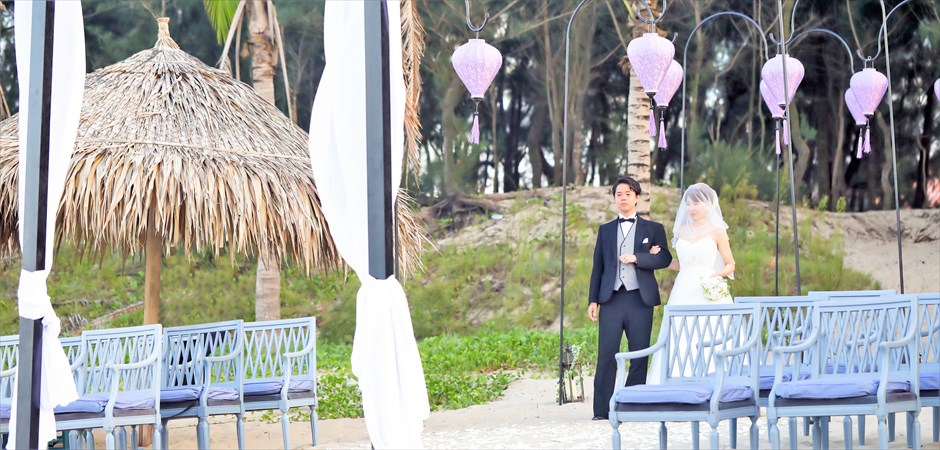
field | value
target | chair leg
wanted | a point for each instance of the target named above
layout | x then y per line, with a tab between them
891	423
806	424
817	433
915	432
240	430
313	426
664	437
755	434
134	440
109	439
615	434
158	438
910	430
774	433
794	440
936	423
695	435
285	428
89	439
165	431
733	432
202	433
121	435
861	430
882	432
713	436
847	432
824	432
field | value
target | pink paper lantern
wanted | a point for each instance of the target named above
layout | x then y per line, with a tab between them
936	88
650	55
860	120
772	73
477	64
770	101
869	87
667	89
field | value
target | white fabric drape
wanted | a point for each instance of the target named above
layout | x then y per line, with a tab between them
385	356
68	81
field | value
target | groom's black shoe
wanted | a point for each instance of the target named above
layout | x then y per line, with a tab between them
598	418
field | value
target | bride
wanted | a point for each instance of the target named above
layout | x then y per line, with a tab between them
703	251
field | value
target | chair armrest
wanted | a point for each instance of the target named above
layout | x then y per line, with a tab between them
143	363
886	361
640	353
8	373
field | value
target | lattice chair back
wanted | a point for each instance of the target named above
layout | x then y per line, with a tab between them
73	351
823	295
185	350
928	319
851	333
696	334
785	320
267	342
9	353
131	345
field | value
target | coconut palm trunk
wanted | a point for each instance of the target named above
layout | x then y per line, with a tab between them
263	62
639	143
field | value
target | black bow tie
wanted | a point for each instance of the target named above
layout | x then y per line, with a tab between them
622	220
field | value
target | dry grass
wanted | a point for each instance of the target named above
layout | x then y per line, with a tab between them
222	169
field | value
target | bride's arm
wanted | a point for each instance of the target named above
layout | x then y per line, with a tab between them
724	247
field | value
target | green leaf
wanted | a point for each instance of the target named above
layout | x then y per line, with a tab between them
220	14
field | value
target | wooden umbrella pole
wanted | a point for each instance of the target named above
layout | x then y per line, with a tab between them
153	250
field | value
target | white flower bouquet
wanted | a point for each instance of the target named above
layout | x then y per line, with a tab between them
715	288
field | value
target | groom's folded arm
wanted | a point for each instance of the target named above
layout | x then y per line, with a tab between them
660	260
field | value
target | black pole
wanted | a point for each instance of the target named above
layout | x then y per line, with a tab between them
564	212
378	140
777	131
894	151
29	365
789	145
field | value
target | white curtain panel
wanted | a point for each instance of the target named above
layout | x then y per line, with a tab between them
385	355
68	81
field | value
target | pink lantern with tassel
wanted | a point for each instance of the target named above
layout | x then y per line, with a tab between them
772	73
936	88
651	56
667	89
869	87
775	110
860	120
477	64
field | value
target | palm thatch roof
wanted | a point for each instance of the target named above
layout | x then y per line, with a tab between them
218	166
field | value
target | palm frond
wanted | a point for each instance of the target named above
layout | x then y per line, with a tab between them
220	14
412	31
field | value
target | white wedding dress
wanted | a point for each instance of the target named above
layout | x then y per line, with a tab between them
697	260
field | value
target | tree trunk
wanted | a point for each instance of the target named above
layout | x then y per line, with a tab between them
887	185
534	143
801	152
837	178
923	153
639	143
153	253
263	62
448	130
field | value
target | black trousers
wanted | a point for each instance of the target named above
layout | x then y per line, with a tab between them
625	312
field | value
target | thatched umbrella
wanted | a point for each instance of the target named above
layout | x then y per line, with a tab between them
173	153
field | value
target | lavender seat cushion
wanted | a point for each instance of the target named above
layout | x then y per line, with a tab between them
274	387
930	376
691	394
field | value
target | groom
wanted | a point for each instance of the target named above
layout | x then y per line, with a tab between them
623	289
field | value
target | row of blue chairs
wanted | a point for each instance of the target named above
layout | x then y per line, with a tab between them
149	375
826	354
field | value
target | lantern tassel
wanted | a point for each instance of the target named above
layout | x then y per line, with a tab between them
662	132
861	141
867	139
474	137
652	123
777	135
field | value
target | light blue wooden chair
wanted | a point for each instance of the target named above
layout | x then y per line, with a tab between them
118	373
706	353
823	423
861	349
202	376
784	321
280	369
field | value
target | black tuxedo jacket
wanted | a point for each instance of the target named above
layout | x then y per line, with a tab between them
606	254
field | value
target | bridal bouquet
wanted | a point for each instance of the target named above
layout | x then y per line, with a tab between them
715	288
